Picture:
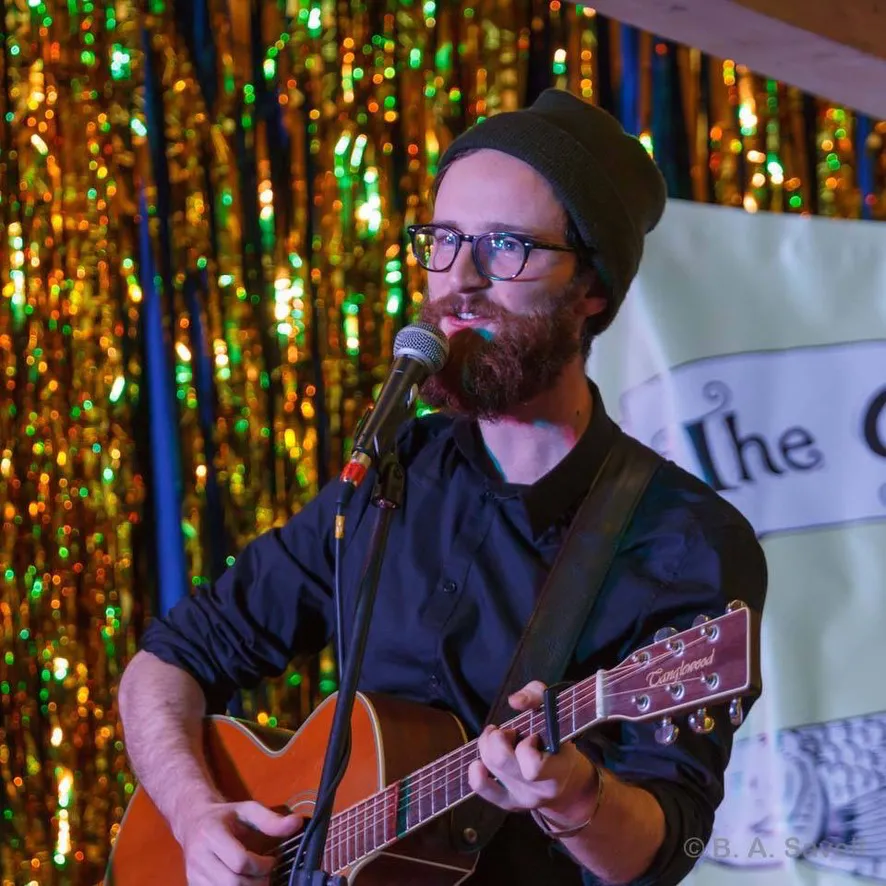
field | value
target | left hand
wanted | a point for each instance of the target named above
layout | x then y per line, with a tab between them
561	786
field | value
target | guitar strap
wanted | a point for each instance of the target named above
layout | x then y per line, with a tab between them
565	603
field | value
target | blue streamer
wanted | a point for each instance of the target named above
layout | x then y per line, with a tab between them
172	571
171	568
629	99
864	163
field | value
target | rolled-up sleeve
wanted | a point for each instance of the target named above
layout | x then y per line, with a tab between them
273	603
722	563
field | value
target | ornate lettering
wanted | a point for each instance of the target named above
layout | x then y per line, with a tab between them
662	677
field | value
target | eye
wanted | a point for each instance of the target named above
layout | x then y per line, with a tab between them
504	243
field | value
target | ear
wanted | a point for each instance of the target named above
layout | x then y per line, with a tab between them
593	300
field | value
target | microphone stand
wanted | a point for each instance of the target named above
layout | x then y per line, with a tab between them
387	496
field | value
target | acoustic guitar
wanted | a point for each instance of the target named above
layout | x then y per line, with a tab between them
408	764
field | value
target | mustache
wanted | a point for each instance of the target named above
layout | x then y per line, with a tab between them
449	305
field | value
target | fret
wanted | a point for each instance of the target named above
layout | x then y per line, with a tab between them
354	824
436	774
337	858
453	778
380	828
338	845
457	767
417	799
355	830
379	818
338	849
347	837
426	793
584	705
468	758
563	714
441	787
366	815
348	842
389	822
407	807
330	853
362	823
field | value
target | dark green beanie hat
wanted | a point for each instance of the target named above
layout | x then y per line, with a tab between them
606	180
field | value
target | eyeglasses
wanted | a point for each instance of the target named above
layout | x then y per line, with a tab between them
498	255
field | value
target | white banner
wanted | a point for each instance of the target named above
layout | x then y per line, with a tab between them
752	351
794	438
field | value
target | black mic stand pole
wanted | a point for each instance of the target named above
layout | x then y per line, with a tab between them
387	496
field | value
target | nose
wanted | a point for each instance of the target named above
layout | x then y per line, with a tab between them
463	275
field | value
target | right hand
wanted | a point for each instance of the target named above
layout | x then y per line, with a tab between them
213	838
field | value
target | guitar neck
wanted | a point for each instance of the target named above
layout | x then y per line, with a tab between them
407	804
715	660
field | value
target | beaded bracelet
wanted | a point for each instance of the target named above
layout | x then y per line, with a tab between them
556	833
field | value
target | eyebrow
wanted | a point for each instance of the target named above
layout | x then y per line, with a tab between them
487	226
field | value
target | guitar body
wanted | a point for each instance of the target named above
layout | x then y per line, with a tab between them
390	738
409	763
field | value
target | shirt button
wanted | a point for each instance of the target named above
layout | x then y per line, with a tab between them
488	495
434	681
450	587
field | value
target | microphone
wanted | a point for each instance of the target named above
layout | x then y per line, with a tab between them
420	350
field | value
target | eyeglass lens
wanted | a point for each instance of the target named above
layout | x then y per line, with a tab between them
498	255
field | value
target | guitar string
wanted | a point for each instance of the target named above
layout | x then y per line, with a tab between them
347	830
353	820
352	826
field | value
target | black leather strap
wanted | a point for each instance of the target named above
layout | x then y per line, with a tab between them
565	603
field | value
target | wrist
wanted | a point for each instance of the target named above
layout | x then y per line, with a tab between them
571	814
190	808
579	800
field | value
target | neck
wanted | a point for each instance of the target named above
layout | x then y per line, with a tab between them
531	440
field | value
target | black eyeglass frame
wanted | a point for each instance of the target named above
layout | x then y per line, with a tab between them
528	243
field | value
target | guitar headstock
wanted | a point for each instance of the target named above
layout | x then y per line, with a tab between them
716	660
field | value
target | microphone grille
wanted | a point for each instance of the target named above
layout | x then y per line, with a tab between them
423	342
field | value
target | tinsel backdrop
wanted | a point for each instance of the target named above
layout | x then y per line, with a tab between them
203	265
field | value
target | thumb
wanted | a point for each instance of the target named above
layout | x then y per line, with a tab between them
530	696
273	824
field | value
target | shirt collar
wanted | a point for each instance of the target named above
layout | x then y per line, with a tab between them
556	495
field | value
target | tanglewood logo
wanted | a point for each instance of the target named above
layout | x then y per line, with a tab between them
661	677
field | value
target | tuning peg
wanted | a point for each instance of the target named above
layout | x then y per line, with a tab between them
701	621
701	722
736	604
675	646
736	712
666	732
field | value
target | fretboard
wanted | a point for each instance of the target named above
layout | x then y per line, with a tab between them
389	815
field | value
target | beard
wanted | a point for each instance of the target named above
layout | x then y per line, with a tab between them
489	374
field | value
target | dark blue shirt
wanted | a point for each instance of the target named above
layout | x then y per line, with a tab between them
466	557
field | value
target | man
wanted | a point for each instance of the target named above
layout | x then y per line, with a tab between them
537	233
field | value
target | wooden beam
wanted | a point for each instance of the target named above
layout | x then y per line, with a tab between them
834	51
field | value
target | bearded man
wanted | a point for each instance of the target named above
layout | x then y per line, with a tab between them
537	231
